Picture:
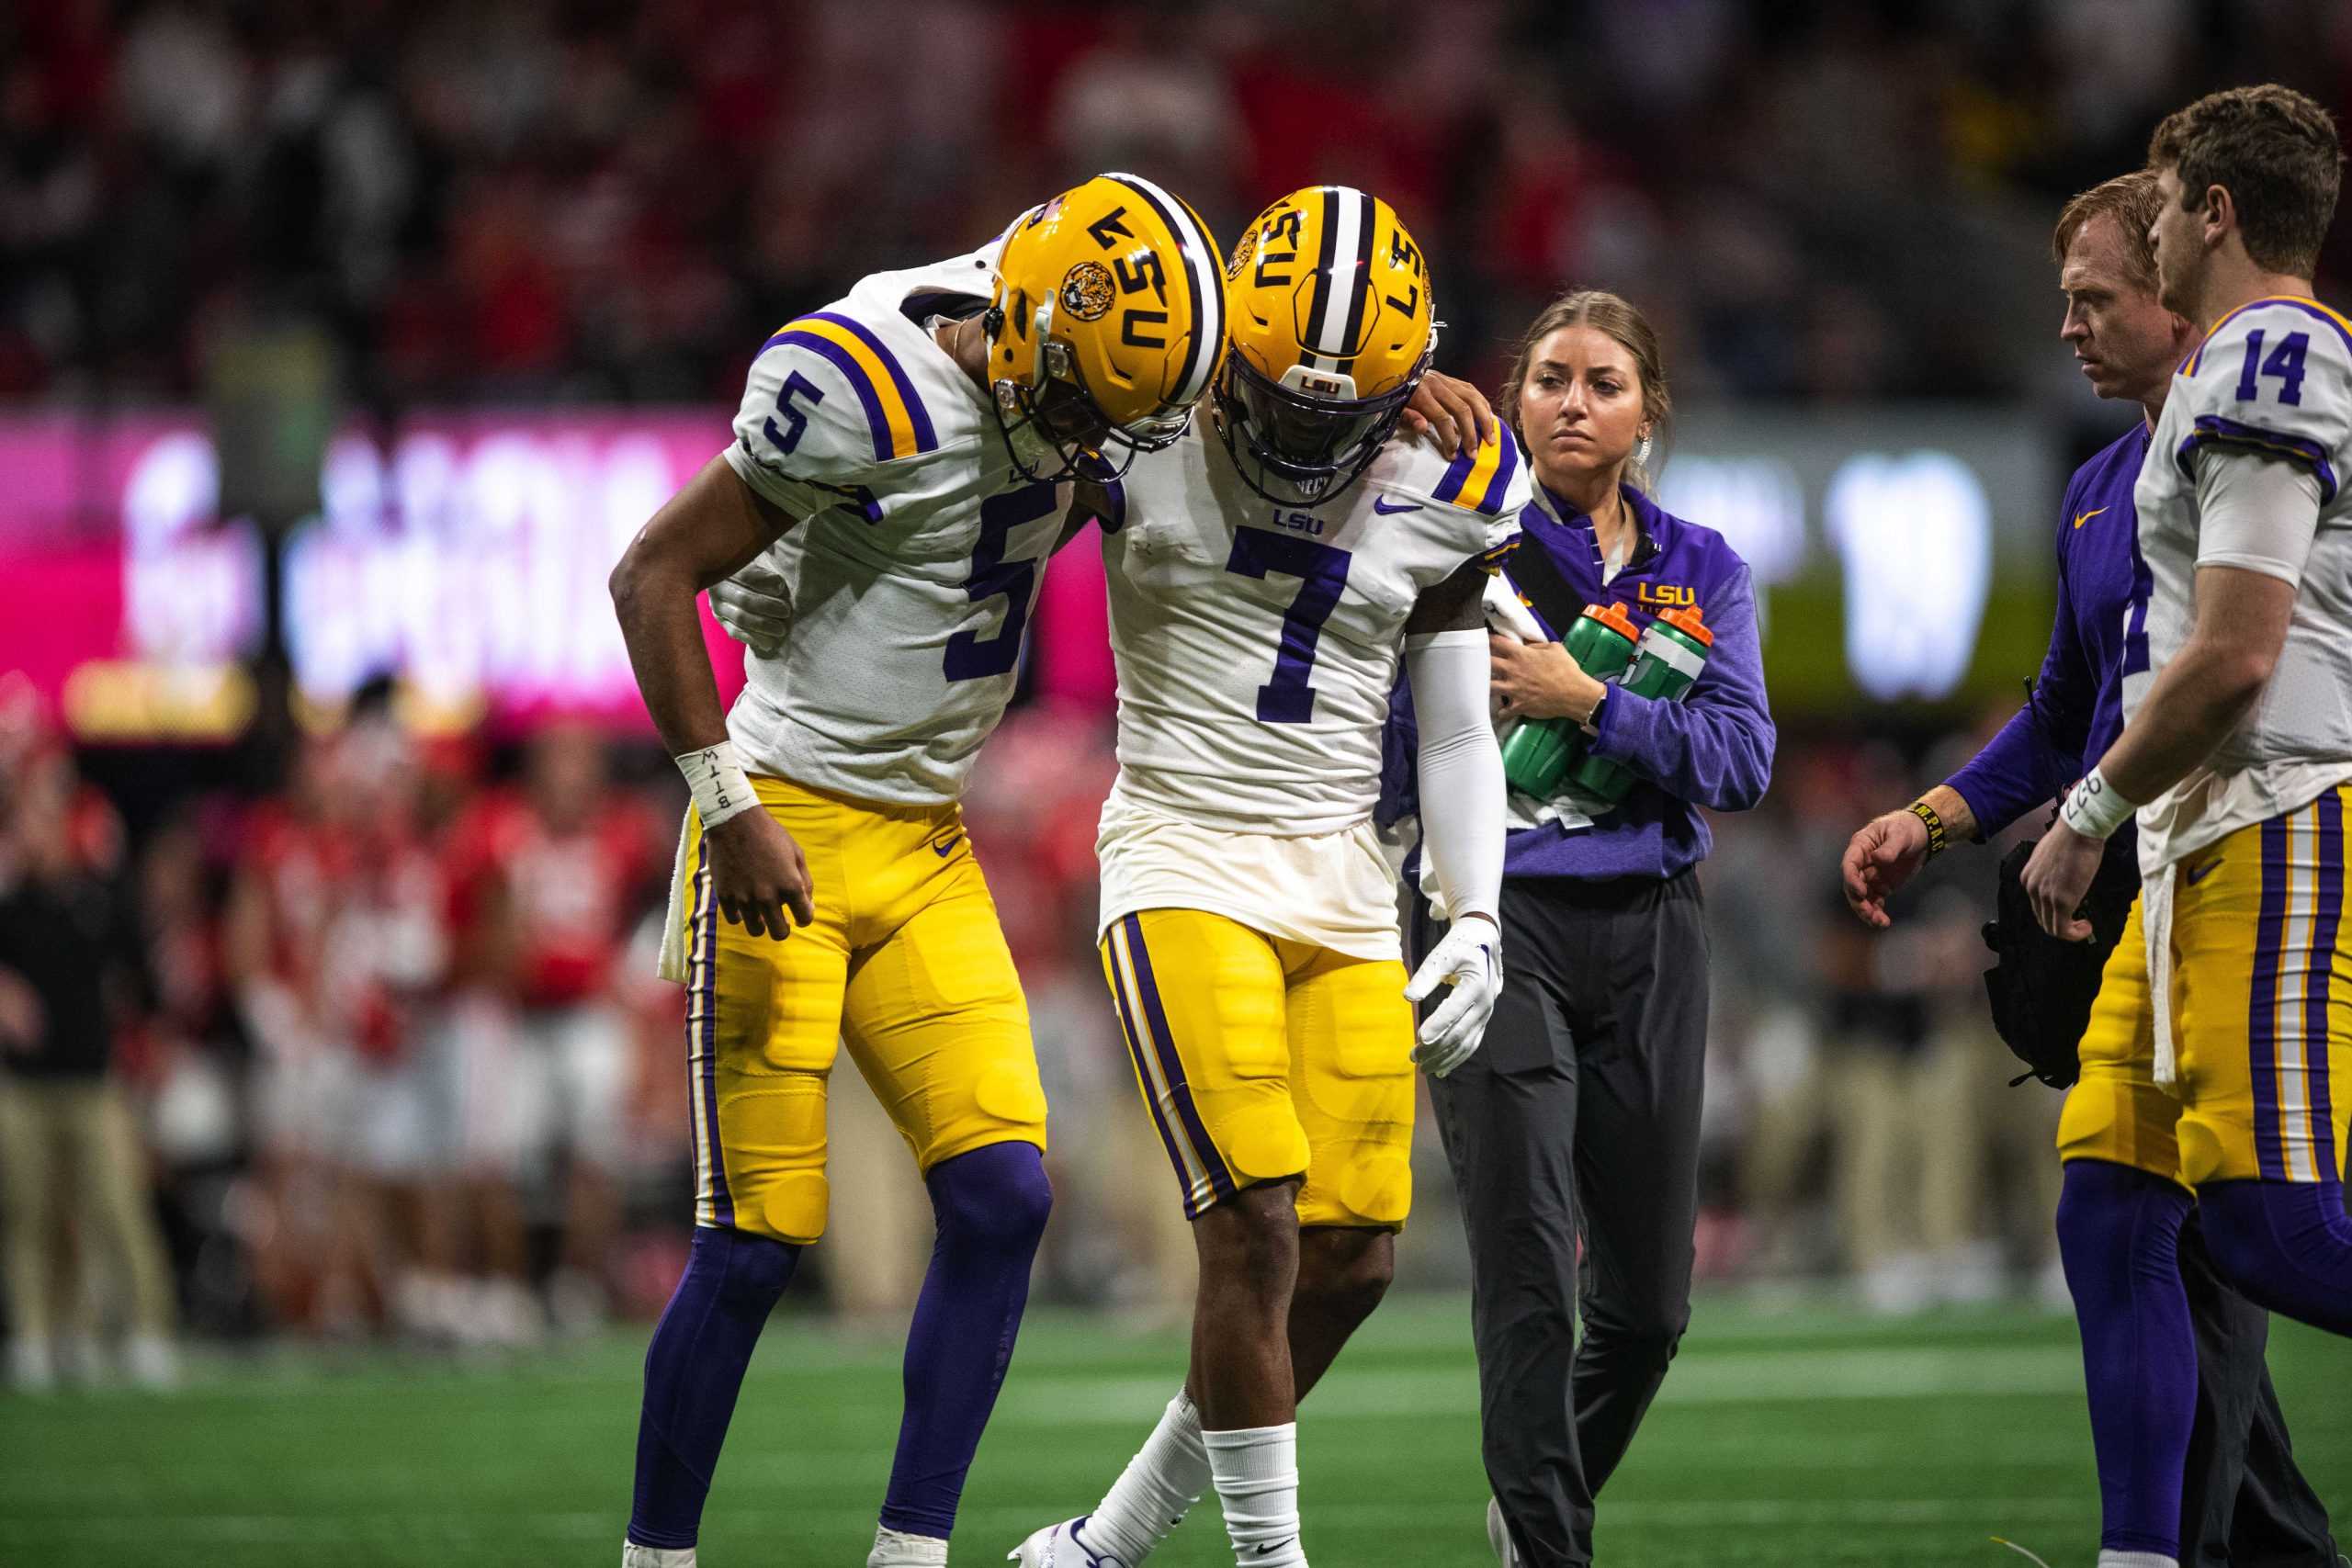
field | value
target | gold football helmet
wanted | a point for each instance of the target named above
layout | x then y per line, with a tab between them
1105	326
1331	330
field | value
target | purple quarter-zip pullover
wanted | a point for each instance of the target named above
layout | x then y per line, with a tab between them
2076	708
1713	748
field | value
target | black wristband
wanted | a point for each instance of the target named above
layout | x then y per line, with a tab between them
1937	840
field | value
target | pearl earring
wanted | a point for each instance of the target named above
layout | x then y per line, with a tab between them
1642	452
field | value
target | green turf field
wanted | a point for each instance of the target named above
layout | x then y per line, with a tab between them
1799	1437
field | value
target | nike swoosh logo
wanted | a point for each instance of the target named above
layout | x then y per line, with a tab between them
2201	872
1268	1551
2086	517
1380	504
944	847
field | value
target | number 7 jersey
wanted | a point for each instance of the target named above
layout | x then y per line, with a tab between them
917	557
1257	646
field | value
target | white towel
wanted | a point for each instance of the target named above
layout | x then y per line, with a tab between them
2155	921
672	965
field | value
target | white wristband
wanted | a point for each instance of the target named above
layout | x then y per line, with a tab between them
721	788
2096	808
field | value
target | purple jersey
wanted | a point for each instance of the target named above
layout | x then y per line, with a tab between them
2076	709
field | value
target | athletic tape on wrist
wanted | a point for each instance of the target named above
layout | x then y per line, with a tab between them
2095	808
720	788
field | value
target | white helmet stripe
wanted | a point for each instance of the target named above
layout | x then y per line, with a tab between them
1344	298
1204	284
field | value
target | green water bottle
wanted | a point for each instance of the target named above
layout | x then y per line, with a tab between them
1670	655
1539	753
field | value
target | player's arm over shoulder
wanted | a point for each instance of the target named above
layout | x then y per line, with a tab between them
2273	380
1489	481
822	410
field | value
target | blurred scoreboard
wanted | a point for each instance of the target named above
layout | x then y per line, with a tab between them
1900	558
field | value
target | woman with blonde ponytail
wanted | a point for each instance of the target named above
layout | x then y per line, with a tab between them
1579	1116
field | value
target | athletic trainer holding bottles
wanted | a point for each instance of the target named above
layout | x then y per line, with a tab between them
1580	1114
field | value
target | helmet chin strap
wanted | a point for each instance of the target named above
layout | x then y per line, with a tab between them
1040	325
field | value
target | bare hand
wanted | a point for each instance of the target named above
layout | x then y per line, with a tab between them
758	872
1538	679
1455	413
2058	877
1879	858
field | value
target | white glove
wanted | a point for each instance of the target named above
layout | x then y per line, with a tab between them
1470	960
754	607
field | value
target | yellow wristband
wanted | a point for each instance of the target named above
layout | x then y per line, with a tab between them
1937	840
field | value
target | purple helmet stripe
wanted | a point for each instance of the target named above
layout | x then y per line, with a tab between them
1197	259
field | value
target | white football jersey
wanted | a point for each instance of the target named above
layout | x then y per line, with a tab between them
912	573
1257	646
2274	377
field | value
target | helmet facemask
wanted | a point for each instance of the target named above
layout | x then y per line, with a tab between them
1304	439
1053	412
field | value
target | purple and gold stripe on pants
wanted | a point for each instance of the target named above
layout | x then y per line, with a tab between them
1161	1071
2288	1025
713	1203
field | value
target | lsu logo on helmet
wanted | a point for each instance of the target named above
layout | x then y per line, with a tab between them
1331	330
1106	323
1087	292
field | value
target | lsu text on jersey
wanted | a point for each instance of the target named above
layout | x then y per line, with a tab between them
1248	918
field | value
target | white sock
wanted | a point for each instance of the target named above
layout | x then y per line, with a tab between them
2107	1559
1257	1484
1157	1488
636	1556
892	1550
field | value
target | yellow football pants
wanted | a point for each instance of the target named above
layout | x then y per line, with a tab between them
2262	1017
1262	1059
905	961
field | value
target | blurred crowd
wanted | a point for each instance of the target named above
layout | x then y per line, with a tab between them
379	1053
375	1049
596	199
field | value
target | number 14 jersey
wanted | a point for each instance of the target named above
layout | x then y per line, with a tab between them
2273	377
1257	646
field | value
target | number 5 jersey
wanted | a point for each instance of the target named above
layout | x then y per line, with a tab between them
2273	377
911	579
1256	645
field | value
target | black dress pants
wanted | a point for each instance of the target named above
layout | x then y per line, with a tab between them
1578	1117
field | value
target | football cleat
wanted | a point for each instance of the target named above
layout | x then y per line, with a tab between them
1331	330
1058	1546
1104	327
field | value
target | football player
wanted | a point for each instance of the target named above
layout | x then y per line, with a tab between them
1265	583
2236	1493
907	452
2238	740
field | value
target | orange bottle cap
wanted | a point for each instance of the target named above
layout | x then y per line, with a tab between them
1615	618
1686	621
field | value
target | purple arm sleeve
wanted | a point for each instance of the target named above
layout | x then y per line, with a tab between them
1714	748
2040	751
